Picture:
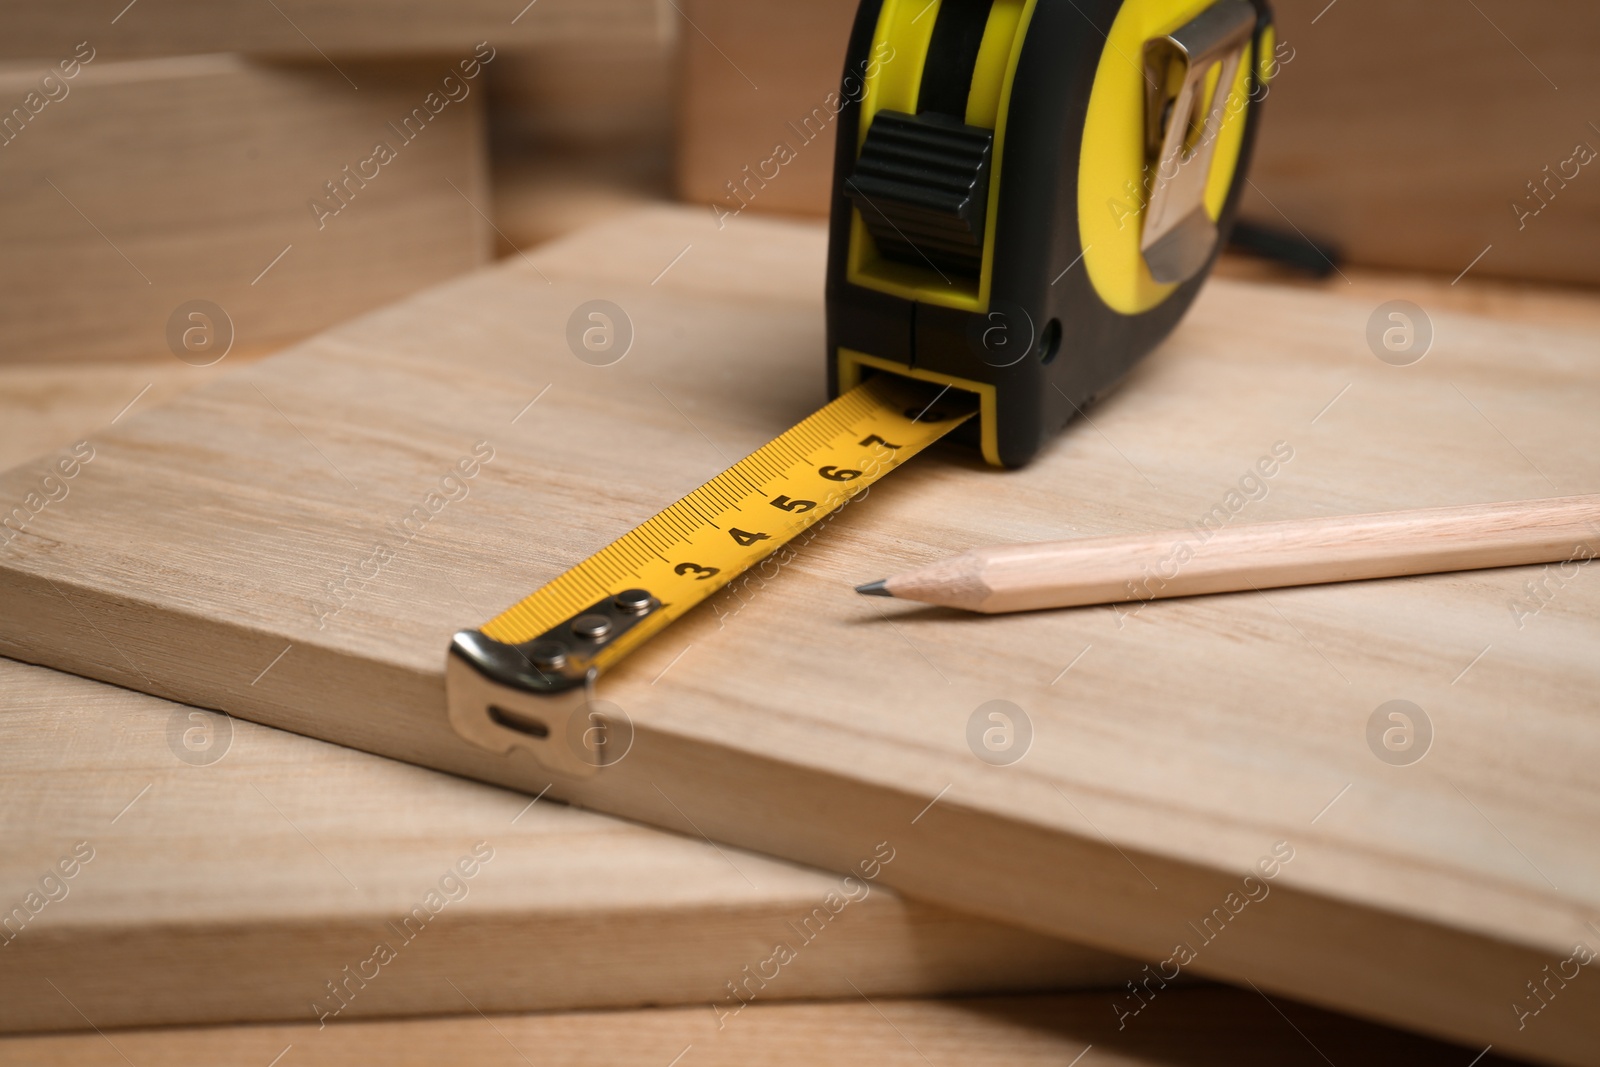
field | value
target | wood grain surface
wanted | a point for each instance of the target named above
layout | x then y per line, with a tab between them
318	31
45	406
140	187
235	870
1197	1028
1173	753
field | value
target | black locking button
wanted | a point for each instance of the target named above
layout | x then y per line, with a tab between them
921	184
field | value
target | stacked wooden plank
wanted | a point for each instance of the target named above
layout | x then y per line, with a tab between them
169	865
202	206
195	181
1200	792
219	916
1200	1028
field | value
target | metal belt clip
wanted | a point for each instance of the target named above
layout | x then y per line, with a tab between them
1178	233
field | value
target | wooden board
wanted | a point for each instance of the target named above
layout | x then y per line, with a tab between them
236	869
44	406
47	407
1397	130
313	31
1172	749
1198	1028
151	184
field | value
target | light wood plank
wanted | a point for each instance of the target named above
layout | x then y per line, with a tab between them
1194	1028
149	184
46	406
313	31
235	870
1179	747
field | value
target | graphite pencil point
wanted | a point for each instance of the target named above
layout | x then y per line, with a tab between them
875	589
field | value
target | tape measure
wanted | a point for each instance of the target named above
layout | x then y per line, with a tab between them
1031	192
1028	195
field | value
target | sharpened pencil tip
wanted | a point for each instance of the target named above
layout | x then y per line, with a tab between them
875	589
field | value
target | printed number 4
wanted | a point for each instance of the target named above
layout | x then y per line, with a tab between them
748	539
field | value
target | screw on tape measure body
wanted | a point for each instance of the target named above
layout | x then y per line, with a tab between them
694	547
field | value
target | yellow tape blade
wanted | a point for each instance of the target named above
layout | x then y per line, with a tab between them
696	546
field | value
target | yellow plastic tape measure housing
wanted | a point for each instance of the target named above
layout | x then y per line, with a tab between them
1114	179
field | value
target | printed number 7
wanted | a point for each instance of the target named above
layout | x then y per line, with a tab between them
874	439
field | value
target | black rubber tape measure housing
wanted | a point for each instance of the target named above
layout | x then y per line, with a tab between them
1082	347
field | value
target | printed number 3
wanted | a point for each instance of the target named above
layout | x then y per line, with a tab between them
700	573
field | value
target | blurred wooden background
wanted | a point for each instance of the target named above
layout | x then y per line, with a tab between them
1409	136
1441	148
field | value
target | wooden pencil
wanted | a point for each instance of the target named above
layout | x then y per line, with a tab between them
1149	566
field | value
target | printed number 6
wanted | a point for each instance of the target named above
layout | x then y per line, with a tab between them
834	474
